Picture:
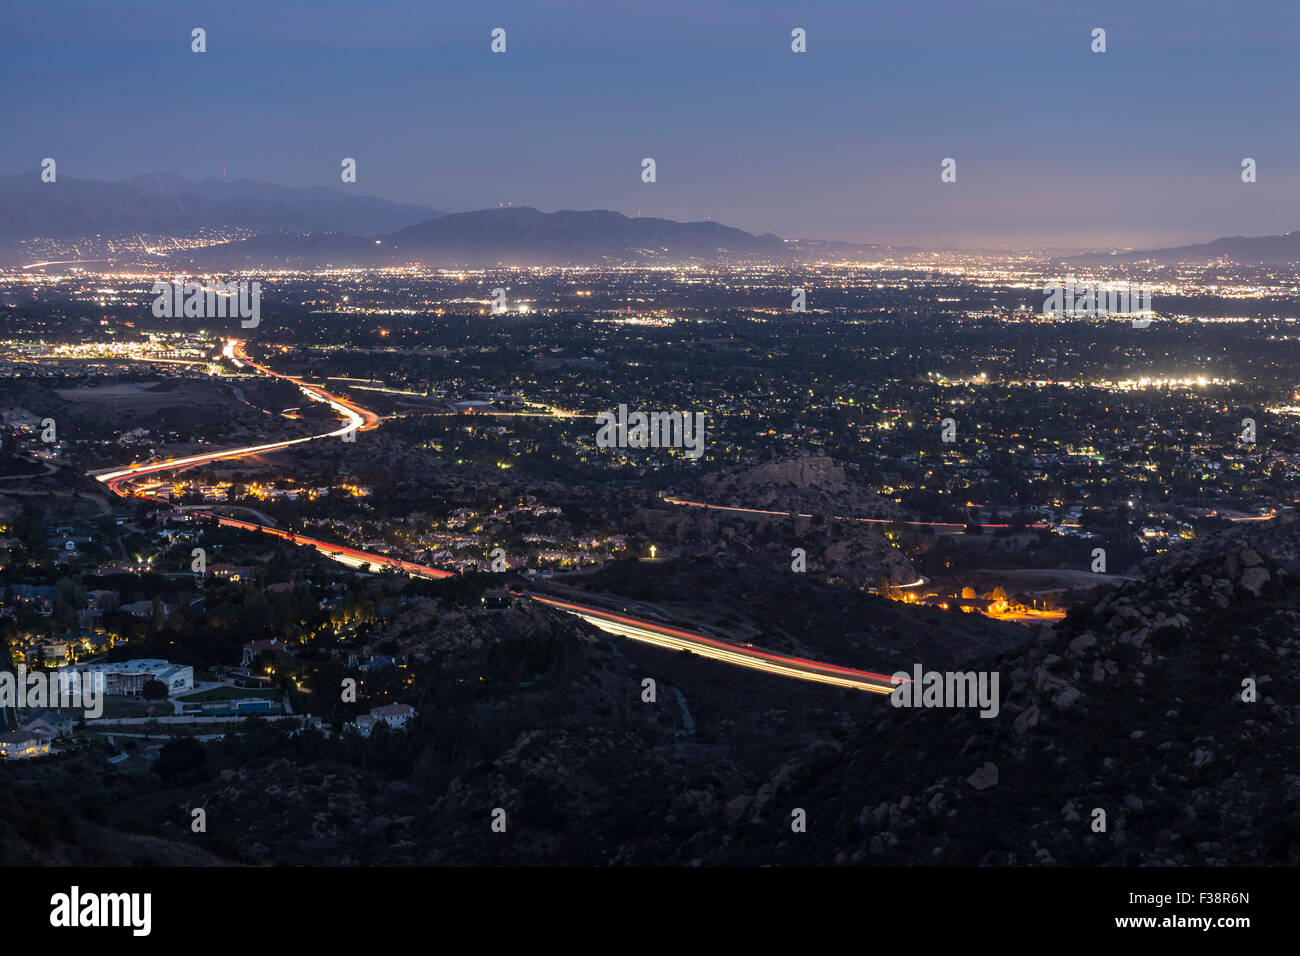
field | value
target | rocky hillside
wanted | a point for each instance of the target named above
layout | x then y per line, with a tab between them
442	629
1171	706
847	552
841	552
807	485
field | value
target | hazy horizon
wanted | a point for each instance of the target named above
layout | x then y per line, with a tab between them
1057	146
968	249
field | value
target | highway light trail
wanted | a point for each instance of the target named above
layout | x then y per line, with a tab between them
354	558
360	419
786	514
357	418
675	639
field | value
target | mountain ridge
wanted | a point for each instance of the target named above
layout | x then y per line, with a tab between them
168	204
328	226
520	236
1281	249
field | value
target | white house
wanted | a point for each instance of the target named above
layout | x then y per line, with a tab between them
129	677
21	744
396	716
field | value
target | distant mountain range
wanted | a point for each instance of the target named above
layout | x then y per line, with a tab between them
167	204
1245	250
512	236
327	226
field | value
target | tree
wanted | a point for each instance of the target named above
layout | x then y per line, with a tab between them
69	598
178	756
154	690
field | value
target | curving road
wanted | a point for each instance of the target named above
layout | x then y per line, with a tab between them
360	419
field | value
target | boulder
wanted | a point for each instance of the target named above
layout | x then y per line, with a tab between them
1026	721
735	809
1067	698
985	778
1254	579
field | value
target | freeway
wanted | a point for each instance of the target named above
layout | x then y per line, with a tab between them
349	556
744	656
357	418
645	631
361	419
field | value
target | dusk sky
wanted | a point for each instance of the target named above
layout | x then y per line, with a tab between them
1139	146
